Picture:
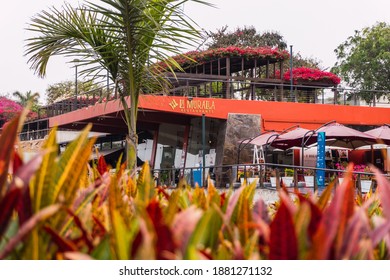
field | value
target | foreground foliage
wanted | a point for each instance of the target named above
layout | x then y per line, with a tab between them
59	207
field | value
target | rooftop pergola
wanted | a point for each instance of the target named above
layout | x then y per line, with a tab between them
212	73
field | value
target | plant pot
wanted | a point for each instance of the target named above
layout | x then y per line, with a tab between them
249	180
309	180
273	181
288	181
366	185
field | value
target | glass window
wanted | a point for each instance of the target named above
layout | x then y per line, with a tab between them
170	146
145	146
194	153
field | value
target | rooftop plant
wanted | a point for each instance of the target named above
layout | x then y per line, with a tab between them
201	57
311	74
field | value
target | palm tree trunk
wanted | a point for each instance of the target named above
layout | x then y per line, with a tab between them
131	138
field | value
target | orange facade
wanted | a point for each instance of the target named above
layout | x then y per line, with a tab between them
275	115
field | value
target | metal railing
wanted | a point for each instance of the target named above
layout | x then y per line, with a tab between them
34	134
83	99
271	91
267	176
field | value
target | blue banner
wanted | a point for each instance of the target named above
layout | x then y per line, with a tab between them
320	174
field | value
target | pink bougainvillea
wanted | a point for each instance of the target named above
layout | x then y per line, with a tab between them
310	74
8	109
200	57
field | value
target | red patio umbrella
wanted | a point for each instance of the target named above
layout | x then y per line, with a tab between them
262	139
382	134
336	135
344	136
290	139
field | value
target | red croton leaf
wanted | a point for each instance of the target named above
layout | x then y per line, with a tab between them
24	207
164	235
98	229
223	199
283	239
63	244
85	237
102	165
21	180
383	190
17	162
333	222
7	206
7	141
346	212
315	214
162	191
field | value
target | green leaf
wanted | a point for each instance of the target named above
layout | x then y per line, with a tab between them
198	237
172	208
102	251
42	182
121	236
83	204
325	196
70	166
27	227
145	185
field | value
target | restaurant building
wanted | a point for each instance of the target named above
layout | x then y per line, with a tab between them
237	93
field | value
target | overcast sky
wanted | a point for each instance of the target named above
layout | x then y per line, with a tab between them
314	28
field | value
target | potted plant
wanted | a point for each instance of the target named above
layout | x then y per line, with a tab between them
309	177
250	175
365	180
288	177
272	177
341	166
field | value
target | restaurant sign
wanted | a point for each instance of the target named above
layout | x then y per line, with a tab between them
192	106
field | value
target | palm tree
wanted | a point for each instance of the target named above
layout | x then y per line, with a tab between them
24	99
123	37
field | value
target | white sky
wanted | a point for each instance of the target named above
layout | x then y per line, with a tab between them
314	28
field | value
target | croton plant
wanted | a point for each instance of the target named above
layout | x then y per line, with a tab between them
67	207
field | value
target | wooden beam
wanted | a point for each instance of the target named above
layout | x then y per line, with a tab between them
267	70
281	69
228	77
255	76
275	70
252	87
